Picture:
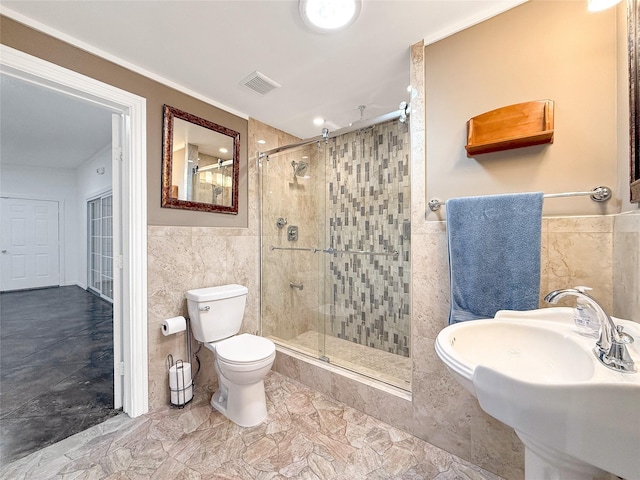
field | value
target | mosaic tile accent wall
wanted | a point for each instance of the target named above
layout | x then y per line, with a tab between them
368	209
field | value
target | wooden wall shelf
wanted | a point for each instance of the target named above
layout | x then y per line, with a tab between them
514	126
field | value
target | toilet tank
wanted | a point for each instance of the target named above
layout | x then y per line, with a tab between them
216	313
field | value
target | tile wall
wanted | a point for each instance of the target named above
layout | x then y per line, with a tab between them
626	266
368	209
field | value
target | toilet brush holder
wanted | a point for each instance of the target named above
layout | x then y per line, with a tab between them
180	382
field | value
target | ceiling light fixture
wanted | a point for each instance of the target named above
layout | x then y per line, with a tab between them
328	16
598	5
318	121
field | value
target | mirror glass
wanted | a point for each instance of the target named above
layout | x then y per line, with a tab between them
200	164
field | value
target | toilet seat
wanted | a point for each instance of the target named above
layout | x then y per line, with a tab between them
244	349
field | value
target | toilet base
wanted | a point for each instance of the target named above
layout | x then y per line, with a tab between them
244	405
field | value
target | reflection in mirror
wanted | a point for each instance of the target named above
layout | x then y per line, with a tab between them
200	164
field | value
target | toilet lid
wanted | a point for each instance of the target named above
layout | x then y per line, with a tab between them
245	348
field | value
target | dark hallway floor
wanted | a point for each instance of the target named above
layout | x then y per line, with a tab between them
56	367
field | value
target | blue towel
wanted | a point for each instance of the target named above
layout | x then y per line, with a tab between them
494	254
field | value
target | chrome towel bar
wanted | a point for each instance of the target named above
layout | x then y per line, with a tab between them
598	194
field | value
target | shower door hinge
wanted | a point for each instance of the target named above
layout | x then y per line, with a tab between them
120	368
118	261
118	153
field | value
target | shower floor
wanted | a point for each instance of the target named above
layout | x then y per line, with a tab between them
377	364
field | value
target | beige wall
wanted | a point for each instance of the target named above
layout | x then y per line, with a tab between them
539	50
22	38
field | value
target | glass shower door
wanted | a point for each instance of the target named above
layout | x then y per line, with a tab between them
367	276
293	188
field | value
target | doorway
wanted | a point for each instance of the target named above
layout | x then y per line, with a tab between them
56	320
129	215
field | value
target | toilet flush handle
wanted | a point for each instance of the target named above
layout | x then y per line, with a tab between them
206	308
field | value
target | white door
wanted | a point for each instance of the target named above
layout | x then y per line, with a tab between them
29	248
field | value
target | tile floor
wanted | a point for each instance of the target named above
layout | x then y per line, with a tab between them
56	367
306	436
372	362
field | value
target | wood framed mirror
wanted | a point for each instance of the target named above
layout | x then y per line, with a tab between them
200	164
633	18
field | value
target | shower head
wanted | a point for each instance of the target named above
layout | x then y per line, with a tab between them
299	168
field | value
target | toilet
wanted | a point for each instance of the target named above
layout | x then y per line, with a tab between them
242	361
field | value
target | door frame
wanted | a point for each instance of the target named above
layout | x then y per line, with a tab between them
130	332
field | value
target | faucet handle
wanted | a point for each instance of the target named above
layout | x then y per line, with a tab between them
583	289
623	336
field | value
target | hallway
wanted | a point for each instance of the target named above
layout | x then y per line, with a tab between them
56	367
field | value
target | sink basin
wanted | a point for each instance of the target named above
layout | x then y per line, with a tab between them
536	373
506	347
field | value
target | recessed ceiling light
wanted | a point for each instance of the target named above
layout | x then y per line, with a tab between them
223	150
262	142
318	121
329	15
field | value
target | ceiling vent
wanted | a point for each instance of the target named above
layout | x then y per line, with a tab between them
259	83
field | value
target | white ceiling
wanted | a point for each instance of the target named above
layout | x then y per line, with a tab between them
207	47
42	127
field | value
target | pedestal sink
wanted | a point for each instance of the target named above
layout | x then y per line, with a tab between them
536	373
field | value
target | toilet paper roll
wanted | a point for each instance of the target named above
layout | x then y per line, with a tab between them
180	383
174	325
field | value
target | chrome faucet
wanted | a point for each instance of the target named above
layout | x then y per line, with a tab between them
611	348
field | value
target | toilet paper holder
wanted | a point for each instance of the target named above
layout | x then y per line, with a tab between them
182	392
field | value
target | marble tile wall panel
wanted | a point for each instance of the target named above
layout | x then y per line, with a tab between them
368	208
185	258
626	266
579	251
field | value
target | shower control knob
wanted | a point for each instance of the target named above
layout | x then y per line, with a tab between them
281	222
